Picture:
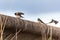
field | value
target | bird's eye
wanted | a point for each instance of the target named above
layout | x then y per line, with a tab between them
15	13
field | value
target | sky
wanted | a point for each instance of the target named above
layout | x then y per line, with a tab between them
46	10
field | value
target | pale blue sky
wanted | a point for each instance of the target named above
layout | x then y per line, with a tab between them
44	9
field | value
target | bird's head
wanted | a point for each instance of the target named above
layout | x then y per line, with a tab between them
19	13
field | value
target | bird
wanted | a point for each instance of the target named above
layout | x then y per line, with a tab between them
53	21
39	20
19	15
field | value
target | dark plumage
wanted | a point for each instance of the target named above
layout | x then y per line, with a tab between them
19	14
54	21
40	20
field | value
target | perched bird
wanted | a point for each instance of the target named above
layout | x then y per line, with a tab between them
53	21
19	14
39	20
